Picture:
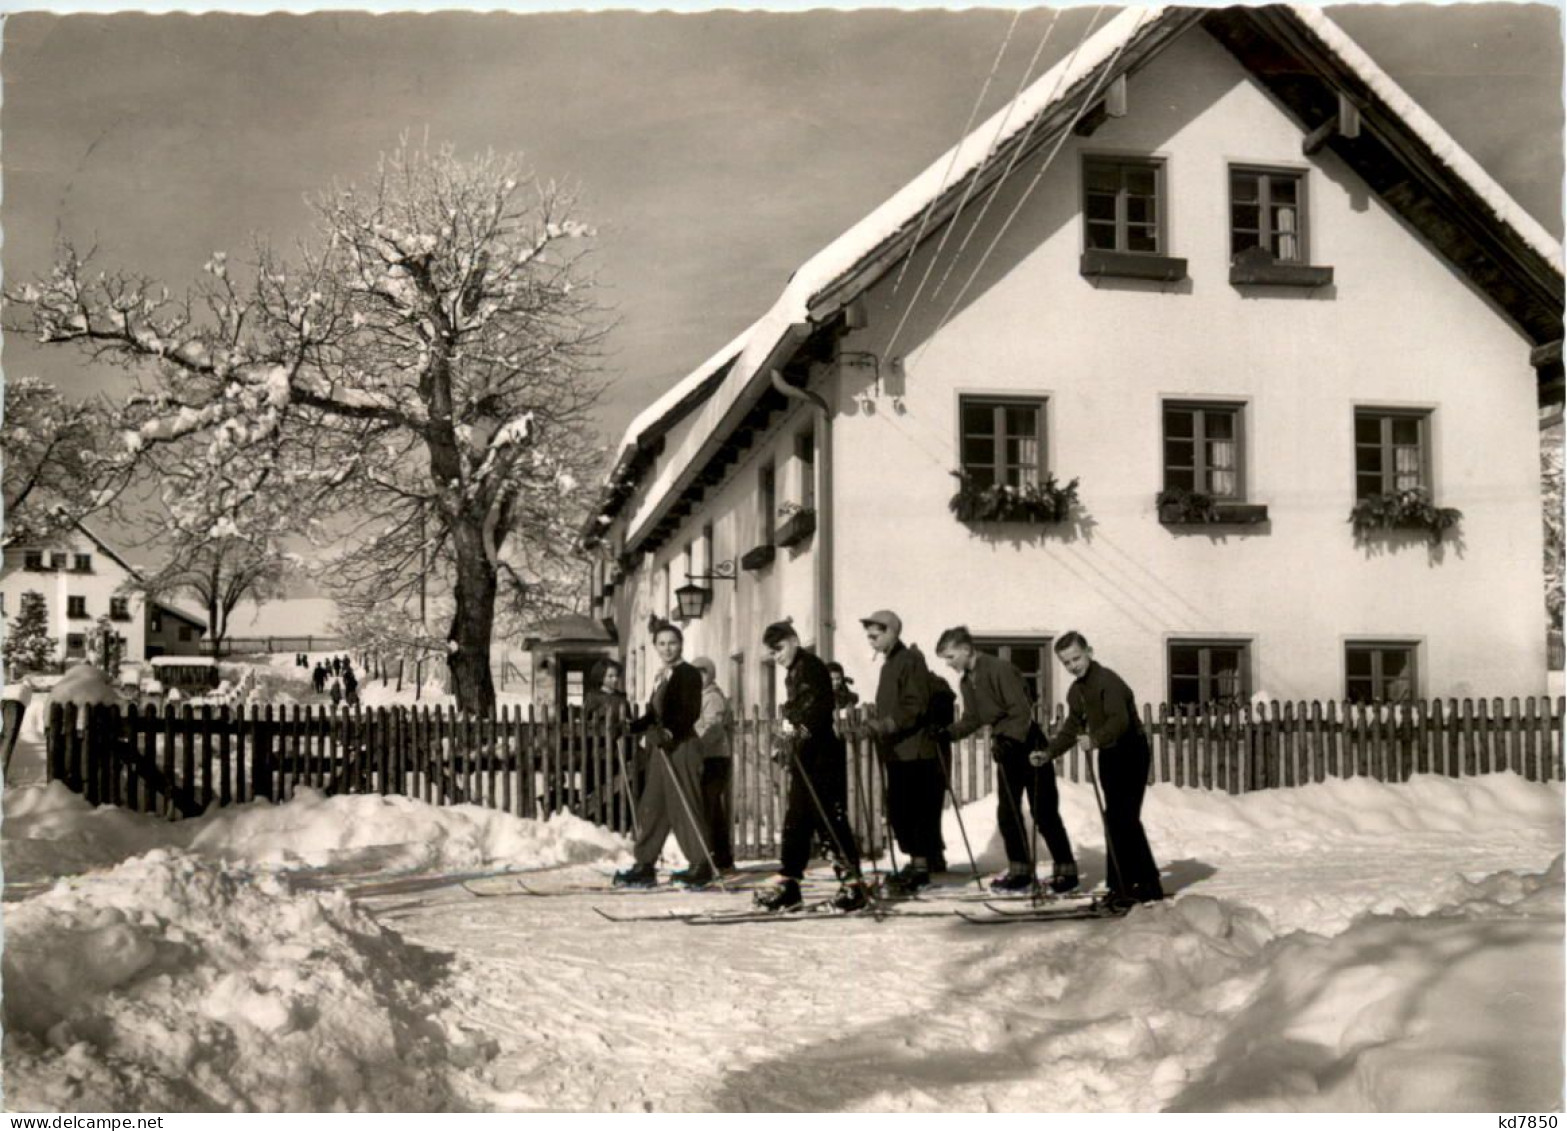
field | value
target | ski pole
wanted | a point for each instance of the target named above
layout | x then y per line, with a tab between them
1017	815
669	767
625	788
1115	868
958	813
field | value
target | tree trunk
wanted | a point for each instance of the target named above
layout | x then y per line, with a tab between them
473	622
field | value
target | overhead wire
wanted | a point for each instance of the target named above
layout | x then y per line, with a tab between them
967	128
968	190
1017	153
1032	185
973	180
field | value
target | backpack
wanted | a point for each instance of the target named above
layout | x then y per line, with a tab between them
943	709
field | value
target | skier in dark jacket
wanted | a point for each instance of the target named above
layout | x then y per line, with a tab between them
995	696
673	792
1102	715
818	778
908	750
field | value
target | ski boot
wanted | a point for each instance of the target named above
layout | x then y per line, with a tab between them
699	877
852	896
780	895
1064	879
909	881
637	876
1012	881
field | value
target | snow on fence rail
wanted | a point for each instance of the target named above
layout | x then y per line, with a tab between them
178	762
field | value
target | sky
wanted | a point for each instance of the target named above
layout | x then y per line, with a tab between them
713	152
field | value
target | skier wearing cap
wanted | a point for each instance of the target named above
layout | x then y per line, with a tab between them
673	792
818	778
908	750
994	695
1102	715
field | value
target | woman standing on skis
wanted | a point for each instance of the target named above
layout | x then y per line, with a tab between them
672	796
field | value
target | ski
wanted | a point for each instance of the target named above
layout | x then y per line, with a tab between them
1041	915
732	886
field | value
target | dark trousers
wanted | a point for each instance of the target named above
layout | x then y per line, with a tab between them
671	801
914	793
716	776
1019	779
826	813
1123	772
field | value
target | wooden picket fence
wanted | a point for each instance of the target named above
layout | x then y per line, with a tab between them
179	762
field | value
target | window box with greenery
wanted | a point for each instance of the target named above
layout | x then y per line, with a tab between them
1123	221
1204	468
1047	502
1409	509
1268	230
797	524
1392	476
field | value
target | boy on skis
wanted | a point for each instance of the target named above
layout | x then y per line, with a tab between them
818	778
915	783
1102	715
994	695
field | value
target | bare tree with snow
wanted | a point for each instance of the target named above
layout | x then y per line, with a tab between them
220	573
59	464
414	387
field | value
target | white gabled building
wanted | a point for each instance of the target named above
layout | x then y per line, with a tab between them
82	578
1215	250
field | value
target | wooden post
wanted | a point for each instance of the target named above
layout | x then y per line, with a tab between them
170	810
1471	729
205	794
1551	722
225	771
1531	759
1515	735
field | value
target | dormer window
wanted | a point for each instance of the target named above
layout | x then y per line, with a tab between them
1268	243
1123	220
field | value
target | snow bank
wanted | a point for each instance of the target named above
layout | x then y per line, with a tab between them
315	830
177	985
1458	1011
51	832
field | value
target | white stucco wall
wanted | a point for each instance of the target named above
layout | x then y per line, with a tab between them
741	608
1397	328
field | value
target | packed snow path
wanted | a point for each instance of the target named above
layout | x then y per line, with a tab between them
1349	946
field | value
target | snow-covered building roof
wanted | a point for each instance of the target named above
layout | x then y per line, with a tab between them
1505	250
180	614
